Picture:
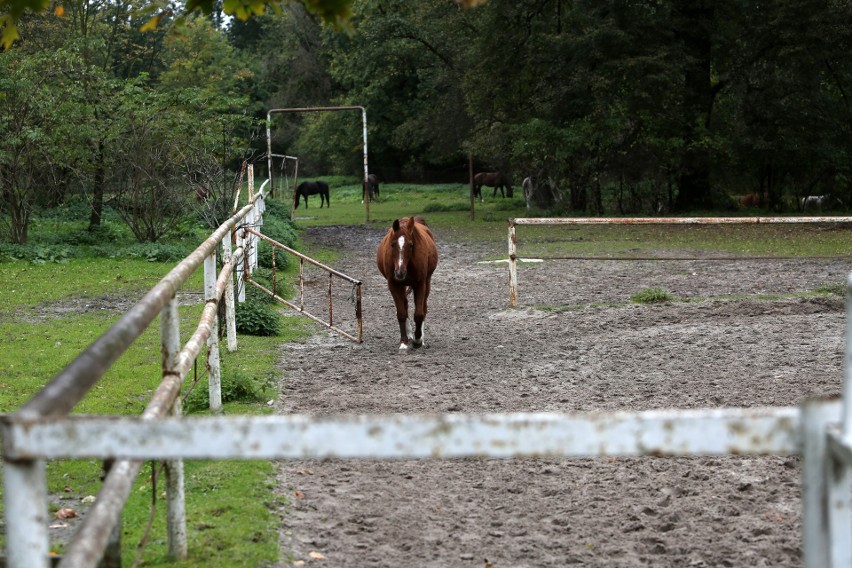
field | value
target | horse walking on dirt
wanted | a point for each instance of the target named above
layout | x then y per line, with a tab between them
496	180
307	188
372	186
407	257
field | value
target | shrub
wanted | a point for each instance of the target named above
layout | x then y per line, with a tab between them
440	207
36	254
280	230
237	388
651	296
157	252
257	318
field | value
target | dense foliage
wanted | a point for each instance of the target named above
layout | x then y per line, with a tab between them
611	107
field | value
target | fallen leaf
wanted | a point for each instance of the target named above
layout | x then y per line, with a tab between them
58	526
67	489
299	563
66	513
316	555
298	495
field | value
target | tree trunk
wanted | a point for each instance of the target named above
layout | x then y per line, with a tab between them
98	189
693	21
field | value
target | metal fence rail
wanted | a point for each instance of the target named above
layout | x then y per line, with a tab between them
513	240
356	293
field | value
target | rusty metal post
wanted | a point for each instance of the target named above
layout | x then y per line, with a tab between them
25	496
239	270
301	284
175	497
470	178
214	378
358	312
366	168
330	322
513	265
230	314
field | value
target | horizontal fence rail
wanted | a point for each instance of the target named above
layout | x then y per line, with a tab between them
650	433
513	240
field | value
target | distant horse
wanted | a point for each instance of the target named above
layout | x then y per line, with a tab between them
754	199
407	257
492	179
202	194
819	201
528	186
307	188
372	187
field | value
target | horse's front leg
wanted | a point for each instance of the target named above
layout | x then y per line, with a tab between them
400	300
421	293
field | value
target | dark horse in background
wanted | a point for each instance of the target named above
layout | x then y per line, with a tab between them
372	186
496	180
407	257
307	188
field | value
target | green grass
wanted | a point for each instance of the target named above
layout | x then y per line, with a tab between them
231	505
446	207
651	296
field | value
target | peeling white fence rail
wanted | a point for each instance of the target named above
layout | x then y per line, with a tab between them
513	241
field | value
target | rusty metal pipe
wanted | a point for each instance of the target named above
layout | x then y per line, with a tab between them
303	257
673	220
92	537
72	383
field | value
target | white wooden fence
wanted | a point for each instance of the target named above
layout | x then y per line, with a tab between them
819	430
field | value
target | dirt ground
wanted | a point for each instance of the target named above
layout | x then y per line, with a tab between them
606	354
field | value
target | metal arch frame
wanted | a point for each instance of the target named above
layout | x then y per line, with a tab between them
363	110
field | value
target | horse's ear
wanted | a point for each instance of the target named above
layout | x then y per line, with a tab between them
396	225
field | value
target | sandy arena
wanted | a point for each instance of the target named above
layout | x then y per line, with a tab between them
606	354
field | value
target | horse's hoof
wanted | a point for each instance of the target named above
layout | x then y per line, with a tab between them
403	347
416	344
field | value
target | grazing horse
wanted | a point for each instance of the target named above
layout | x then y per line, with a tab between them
492	179
372	187
407	257
754	199
307	188
819	201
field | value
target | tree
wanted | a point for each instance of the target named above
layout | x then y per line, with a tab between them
336	12
41	113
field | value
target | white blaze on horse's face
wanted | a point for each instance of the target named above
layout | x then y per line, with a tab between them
399	271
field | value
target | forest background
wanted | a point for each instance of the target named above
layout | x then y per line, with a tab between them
618	106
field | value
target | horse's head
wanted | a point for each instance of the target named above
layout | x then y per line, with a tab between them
298	193
402	247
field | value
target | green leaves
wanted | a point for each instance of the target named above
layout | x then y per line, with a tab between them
11	11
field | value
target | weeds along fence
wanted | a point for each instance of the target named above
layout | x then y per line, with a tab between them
819	430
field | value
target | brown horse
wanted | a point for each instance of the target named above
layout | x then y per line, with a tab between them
496	180
407	257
